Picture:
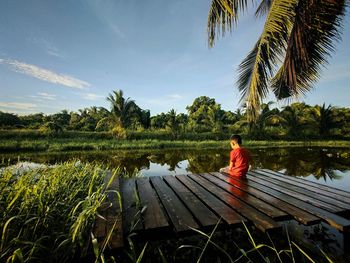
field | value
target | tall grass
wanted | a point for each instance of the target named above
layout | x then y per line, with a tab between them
78	144
47	214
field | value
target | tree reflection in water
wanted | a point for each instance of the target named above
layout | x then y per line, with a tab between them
296	161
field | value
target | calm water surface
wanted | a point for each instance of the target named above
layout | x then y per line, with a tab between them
329	166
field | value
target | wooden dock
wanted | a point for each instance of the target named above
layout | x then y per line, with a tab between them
161	206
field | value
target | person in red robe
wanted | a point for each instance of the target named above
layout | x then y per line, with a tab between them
239	158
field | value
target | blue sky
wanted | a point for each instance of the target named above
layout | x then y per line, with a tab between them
70	54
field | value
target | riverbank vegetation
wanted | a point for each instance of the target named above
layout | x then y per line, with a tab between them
204	120
64	145
48	213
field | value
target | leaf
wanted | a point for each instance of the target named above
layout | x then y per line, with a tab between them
303	252
139	259
316	28
4	231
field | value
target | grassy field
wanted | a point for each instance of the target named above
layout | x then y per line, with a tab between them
34	140
62	144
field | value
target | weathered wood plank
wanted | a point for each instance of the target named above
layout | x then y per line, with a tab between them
177	212
312	184
300	215
332	219
202	213
229	215
318	194
305	198
153	216
246	197
112	212
260	220
131	209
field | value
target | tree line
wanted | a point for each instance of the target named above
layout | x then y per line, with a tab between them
204	115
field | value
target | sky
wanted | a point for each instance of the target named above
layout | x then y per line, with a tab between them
71	54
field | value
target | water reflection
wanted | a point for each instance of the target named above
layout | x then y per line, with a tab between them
323	164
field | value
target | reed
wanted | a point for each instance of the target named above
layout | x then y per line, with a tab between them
49	212
79	144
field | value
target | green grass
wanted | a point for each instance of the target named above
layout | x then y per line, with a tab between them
57	145
49	213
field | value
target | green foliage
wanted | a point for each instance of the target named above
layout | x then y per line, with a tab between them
33	121
122	110
48	213
205	115
9	119
205	121
51	128
119	132
172	123
296	41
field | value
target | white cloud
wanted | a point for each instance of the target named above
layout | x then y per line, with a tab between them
175	96
165	100
91	96
42	96
45	74
47	96
17	106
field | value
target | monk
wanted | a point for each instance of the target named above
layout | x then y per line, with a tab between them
239	158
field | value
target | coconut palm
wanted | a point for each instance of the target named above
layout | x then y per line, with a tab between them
295	119
325	119
122	109
297	38
257	129
214	118
172	123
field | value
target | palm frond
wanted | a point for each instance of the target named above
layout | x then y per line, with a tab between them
316	28
263	8
257	68
222	15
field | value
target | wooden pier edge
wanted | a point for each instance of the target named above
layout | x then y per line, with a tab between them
108	227
164	206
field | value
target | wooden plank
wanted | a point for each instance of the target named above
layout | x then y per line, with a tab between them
246	197
200	211
177	212
323	195
153	216
312	184
292	193
131	208
300	215
260	220
338	205
100	227
112	214
229	215
334	220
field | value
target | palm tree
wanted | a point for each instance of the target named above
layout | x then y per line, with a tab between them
122	109
297	38
214	118
325	119
295	119
257	129
172	123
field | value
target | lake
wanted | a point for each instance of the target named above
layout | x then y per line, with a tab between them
329	166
